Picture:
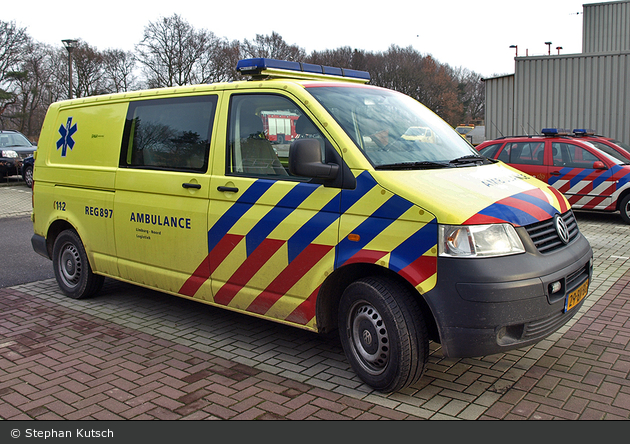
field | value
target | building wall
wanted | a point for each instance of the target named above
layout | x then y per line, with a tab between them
589	90
570	91
499	107
606	27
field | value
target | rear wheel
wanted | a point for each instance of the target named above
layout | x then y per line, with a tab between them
383	333
624	209
72	269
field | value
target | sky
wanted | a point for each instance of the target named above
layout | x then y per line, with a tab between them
473	34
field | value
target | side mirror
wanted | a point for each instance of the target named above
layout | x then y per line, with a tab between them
599	165
305	159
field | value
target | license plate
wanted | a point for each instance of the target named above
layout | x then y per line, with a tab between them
576	296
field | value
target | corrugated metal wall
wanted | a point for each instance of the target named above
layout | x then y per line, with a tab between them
587	90
606	27
499	110
570	91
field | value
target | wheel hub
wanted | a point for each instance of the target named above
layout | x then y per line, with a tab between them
70	265
370	338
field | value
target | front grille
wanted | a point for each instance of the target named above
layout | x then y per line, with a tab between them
545	236
577	278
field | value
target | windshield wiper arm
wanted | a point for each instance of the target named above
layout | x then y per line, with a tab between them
468	159
411	166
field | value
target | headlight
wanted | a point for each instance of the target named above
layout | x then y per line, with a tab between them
8	153
478	240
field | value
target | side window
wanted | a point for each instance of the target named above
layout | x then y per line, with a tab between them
169	134
261	130
559	153
567	154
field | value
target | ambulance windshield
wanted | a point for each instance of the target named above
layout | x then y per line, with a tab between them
393	130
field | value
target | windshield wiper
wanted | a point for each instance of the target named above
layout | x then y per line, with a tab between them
468	159
411	166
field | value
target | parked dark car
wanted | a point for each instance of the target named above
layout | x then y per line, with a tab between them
14	148
27	170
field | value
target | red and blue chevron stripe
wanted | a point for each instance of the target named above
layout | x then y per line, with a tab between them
410	257
521	209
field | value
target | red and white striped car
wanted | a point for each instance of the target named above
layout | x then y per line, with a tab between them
590	178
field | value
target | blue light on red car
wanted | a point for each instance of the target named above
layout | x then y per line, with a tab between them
554	132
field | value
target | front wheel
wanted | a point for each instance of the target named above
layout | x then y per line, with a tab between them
28	176
383	333
72	269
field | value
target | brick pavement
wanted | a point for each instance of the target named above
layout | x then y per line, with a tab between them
584	375
131	353
58	363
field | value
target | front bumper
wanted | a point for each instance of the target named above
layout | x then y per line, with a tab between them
491	305
10	167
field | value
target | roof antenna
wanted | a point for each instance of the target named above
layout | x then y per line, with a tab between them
497	128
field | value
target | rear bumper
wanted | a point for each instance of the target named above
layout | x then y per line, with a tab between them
491	305
39	245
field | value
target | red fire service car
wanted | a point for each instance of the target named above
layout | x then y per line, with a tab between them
590	178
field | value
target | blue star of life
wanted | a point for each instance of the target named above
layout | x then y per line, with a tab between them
66	140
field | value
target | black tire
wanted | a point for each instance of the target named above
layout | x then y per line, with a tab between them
27	175
72	268
384	309
624	208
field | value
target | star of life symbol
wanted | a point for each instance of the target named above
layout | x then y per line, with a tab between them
66	140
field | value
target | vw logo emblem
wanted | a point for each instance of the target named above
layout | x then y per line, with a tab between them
561	228
367	337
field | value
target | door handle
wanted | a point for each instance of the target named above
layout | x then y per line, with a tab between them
555	173
191	185
228	189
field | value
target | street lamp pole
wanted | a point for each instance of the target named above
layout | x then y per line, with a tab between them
70	44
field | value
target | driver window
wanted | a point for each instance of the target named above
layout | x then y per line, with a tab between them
262	127
567	154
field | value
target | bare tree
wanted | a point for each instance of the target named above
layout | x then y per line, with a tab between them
421	77
89	71
472	94
344	57
32	90
171	50
272	46
13	41
118	70
222	58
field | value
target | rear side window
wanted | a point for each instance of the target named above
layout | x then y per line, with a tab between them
169	134
525	153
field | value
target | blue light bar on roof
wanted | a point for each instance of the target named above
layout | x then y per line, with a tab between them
554	132
259	65
583	132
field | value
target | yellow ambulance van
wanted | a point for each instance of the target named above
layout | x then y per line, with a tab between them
343	224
